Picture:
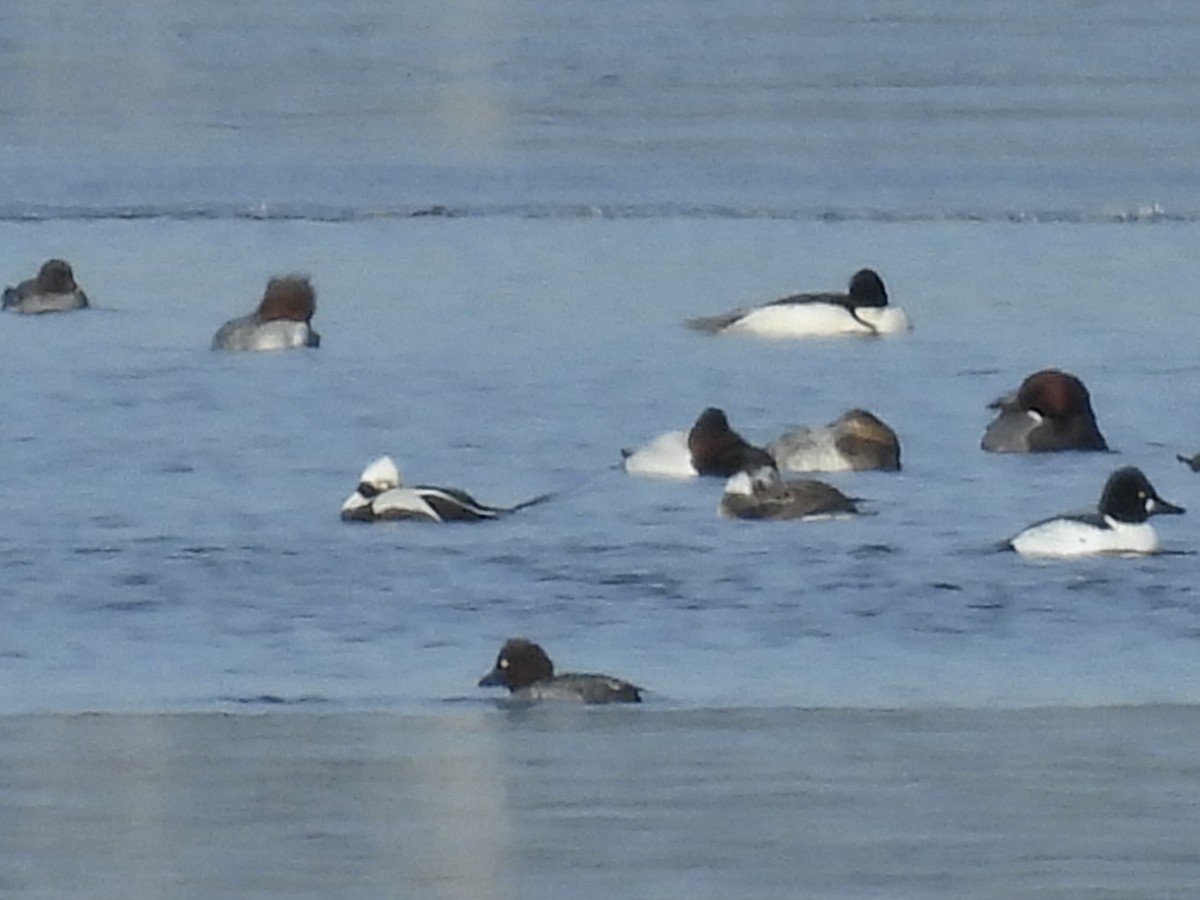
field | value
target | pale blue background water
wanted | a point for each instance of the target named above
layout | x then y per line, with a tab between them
171	550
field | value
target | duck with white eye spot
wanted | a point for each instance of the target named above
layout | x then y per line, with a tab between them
1119	525
524	668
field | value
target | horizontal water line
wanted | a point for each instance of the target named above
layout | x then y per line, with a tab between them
312	212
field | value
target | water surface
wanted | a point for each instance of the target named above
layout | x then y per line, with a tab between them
211	685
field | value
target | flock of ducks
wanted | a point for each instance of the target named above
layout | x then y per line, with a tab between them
1051	411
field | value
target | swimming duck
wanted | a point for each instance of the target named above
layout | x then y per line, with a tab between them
1192	462
863	310
762	494
524	668
282	321
1119	524
856	441
53	289
381	497
1051	411
711	447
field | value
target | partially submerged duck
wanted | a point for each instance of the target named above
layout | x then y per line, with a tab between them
1050	412
1119	525
711	447
1192	462
856	441
282	321
762	494
380	496
53	289
524	668
862	310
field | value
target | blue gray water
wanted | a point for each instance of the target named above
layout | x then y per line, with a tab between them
268	702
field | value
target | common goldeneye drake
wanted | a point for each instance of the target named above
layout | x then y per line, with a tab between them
862	310
380	496
524	668
53	289
1118	526
762	494
1051	411
856	441
282	321
711	447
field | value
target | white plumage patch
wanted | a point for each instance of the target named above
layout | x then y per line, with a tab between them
280	334
1072	537
794	320
402	503
667	456
382	474
810	450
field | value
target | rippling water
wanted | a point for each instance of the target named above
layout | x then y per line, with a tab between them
590	175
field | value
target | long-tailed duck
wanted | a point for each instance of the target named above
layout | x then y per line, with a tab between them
762	494
380	496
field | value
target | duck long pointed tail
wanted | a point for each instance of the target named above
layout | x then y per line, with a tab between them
532	501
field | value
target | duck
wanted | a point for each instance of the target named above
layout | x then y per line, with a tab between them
283	319
856	441
762	494
380	496
523	667
710	447
1050	412
1119	525
53	289
1192	462
862	310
